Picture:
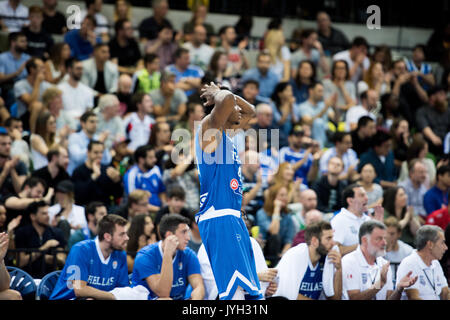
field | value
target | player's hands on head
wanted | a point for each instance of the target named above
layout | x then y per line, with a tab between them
208	92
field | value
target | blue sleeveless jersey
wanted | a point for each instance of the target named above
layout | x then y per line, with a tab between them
221	226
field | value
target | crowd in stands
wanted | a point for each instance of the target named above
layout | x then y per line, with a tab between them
88	131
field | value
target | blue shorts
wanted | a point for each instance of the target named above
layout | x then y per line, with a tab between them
230	253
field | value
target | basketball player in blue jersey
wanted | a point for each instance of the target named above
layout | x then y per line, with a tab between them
219	219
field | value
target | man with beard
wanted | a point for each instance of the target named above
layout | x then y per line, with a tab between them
13	171
433	120
55	171
424	262
54	21
12	65
266	78
82	41
97	266
312	269
39	235
366	274
77	97
146	175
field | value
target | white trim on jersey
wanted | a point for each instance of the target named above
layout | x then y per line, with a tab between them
99	252
213	213
236	275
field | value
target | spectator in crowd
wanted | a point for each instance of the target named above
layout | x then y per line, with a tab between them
284	101
316	111
310	49
55	66
94	8
418	149
236	54
149	77
199	13
9	228
373	190
356	58
329	187
433	120
141	233
407	88
401	139
366	262
33	189
169	100
437	196
54	21
395	203
55	171
12	65
299	153
305	76
14	15
250	92
369	100
280	56
440	217
99	73
252	186
160	139
124	94
389	111
14	171
43	139
79	141
82	41
333	40
39	235
77	97
363	134
155	269
263	74
109	120
341	84
176	203
96	181
275	223
285	175
146	175
347	222
311	269
148	28
5	292
102	264
415	188
94	212
424	263
383	55
4	112
381	157
343	150
124	48
39	41
188	77
311	217
136	204
194	112
28	93
396	249
138	124
65	214
418	66
122	10
20	139
199	52
376	79
163	46
308	199
220	71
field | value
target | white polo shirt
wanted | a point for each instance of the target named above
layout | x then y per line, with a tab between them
431	279
357	274
346	227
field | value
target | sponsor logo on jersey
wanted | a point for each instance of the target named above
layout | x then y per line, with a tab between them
234	184
114	264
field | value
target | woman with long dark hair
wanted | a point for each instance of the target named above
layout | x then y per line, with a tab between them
160	140
55	69
284	102
140	233
43	139
305	76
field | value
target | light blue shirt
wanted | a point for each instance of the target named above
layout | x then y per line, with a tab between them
78	144
267	83
9	64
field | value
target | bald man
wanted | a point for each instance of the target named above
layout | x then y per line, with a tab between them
311	216
124	94
308	199
332	39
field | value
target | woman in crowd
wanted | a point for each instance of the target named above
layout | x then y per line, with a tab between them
160	140
140	233
275	223
395	202
219	70
274	43
374	190
306	75
383	55
55	68
285	176
122	10
401	140
43	140
375	78
284	102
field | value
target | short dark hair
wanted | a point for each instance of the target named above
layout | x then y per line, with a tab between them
363	121
367	227
363	95
10	120
33	207
176	191
170	222
52	153
224	28
179	52
442	170
141	152
380	137
92	207
108	224
315	230
31	64
70	62
92	18
119	24
149	58
314	84
250	81
138	97
32	182
85	116
92	143
360	41
349	192
338	136
13	36
99	45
